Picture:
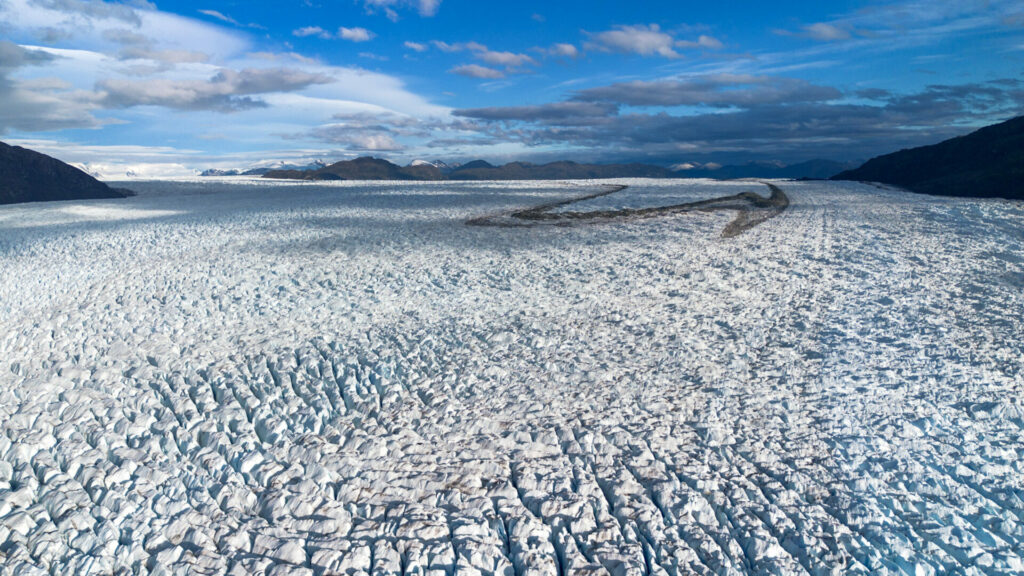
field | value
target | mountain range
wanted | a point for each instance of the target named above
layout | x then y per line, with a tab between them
987	163
261	170
378	169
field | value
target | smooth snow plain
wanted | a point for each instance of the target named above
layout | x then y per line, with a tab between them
250	377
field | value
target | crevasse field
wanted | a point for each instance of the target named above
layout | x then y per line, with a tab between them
250	377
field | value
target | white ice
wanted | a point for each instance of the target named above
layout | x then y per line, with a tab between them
251	377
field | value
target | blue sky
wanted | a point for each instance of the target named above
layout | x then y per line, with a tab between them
176	86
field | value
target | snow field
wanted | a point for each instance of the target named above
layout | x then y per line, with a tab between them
270	378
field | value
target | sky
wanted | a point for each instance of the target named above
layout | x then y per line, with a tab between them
176	86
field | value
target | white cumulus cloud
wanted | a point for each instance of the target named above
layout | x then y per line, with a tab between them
355	34
645	40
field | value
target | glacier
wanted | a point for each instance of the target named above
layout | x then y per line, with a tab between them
289	378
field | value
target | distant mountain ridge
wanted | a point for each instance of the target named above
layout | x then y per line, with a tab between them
819	169
367	168
261	170
29	176
480	170
987	163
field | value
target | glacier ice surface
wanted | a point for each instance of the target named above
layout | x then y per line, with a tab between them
251	377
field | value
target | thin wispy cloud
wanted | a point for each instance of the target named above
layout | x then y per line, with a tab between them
226	91
509	62
477	71
355	34
219	16
229	20
425	8
820	31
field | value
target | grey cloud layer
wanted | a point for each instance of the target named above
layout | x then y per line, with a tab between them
717	90
13	56
136	46
98	10
776	117
39	105
227	91
382	132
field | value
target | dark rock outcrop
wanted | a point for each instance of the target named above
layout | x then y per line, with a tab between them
987	163
28	176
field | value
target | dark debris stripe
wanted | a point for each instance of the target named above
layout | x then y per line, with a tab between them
752	210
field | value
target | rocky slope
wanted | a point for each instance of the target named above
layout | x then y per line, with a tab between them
28	176
984	164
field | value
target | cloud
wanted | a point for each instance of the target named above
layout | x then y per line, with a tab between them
14	56
350	34
554	113
90	24
642	40
226	91
94	9
511	61
477	71
219	16
416	46
355	34
720	91
138	47
52	35
821	31
903	23
356	139
165	63
42	104
380	130
311	31
703	41
507	59
562	50
290	57
791	129
425	8
459	46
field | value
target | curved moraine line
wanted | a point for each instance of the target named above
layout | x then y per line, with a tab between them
751	209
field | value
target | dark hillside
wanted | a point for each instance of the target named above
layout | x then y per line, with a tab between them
28	176
988	163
